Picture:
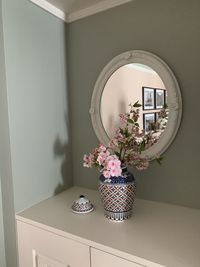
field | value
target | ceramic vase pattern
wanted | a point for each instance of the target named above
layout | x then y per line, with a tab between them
118	196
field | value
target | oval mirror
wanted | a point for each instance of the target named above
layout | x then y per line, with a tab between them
137	76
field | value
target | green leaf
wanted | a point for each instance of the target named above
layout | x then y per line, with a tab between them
137	124
142	145
117	153
130	121
137	104
121	131
159	160
126	133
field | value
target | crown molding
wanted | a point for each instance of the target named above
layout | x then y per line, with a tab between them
73	16
50	8
101	6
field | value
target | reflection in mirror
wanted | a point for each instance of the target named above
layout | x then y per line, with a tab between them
129	84
137	76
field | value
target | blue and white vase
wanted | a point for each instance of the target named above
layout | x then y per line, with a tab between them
117	195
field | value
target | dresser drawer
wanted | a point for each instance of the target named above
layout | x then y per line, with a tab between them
103	259
39	248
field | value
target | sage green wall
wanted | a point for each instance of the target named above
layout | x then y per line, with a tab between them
2	245
2	242
8	214
169	29
35	149
37	91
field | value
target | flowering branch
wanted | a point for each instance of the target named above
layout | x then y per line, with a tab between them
125	148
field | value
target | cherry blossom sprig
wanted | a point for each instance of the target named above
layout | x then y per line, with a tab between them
129	141
125	148
102	158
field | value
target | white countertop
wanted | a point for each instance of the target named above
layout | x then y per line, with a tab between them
166	234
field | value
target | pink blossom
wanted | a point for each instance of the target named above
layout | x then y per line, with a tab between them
88	160
123	118
116	172
106	174
113	164
101	148
125	147
102	157
111	144
142	164
118	137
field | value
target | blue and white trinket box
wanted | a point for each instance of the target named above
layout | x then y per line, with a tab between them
82	205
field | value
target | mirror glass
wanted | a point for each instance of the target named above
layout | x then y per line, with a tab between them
129	84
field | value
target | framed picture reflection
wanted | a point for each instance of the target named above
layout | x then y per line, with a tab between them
148	96
159	98
149	121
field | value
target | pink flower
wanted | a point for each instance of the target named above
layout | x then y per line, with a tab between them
88	160
116	172
101	148
102	157
128	143
106	174
142	164
113	164
123	118
111	144
118	137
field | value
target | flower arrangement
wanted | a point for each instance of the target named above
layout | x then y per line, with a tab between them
125	148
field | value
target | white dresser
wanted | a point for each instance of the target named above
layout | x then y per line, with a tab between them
158	235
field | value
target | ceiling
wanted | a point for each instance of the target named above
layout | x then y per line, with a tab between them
70	10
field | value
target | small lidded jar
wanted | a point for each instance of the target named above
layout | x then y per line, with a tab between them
82	205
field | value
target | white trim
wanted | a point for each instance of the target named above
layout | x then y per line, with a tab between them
50	8
102	6
91	10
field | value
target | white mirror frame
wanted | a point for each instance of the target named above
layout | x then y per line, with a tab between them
170	82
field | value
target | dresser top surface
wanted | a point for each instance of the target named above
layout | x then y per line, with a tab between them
165	234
